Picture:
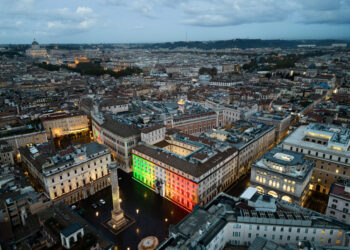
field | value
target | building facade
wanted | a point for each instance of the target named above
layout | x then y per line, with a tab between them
6	153
186	170
338	206
64	123
193	123
118	137
24	137
70	175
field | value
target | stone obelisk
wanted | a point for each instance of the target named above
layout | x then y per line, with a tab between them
118	219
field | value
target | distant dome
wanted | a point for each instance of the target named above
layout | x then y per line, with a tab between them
35	42
181	102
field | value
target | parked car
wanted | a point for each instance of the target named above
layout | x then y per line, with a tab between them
74	207
94	205
101	202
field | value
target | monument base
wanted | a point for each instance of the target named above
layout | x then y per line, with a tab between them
118	222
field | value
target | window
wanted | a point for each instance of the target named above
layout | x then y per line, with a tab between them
249	235
298	230
288	237
60	177
274	229
281	237
53	180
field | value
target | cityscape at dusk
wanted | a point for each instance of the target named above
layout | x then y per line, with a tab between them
174	125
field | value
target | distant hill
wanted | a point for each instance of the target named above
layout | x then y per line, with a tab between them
239	43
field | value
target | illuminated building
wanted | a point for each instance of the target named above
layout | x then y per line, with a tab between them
77	60
282	174
187	170
235	223
71	174
64	123
36	51
328	146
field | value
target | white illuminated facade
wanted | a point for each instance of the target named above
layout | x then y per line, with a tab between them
282	174
72	174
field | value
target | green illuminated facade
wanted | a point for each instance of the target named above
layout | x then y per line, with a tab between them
143	171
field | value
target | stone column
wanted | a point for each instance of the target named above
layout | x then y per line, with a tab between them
115	186
118	220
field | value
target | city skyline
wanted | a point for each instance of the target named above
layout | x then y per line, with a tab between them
138	21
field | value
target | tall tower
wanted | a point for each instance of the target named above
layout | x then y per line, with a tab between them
118	219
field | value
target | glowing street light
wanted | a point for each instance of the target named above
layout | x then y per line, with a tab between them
166	219
97	213
137	211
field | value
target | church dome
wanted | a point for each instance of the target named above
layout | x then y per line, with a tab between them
35	42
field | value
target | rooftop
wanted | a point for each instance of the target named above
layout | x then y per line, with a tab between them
50	162
321	137
202	225
274	115
285	162
201	157
240	134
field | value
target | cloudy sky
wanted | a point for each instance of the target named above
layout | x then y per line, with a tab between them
124	21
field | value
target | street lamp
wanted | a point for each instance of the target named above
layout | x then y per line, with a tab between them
166	219
137	211
97	213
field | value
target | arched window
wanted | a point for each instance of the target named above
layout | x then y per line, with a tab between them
260	190
273	194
